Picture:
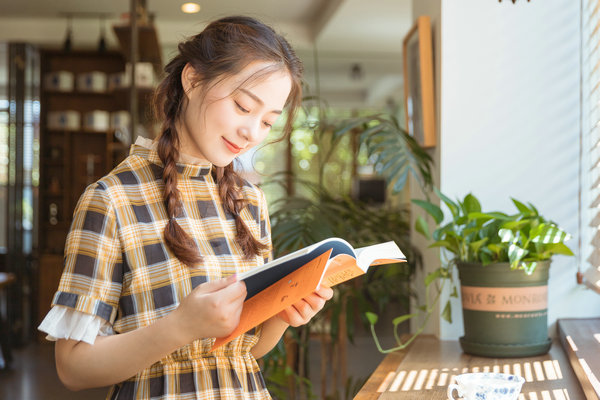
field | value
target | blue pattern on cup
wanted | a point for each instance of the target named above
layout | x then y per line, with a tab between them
486	386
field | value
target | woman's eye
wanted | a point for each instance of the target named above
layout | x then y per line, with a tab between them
242	109
268	125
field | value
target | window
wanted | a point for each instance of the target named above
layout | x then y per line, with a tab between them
590	134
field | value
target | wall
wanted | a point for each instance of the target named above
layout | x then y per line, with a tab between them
510	122
431	257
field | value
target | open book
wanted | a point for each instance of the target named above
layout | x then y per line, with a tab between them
280	283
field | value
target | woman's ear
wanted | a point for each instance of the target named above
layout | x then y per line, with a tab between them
188	79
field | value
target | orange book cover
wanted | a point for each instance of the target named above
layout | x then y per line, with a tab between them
285	281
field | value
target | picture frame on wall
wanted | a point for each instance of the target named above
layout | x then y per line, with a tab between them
417	55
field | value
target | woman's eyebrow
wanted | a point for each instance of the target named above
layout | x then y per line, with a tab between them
257	99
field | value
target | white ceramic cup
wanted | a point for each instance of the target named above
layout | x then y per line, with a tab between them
486	386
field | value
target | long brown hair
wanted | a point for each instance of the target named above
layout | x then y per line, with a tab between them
222	49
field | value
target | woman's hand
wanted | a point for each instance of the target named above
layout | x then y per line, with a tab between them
295	315
304	310
212	309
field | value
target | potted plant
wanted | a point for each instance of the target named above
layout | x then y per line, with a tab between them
503	262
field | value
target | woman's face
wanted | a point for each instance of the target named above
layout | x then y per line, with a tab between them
235	115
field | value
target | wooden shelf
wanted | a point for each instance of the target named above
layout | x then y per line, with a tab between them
79	93
109	93
140	89
48	162
148	46
70	147
60	131
67	155
118	146
81	132
87	132
48	193
58	225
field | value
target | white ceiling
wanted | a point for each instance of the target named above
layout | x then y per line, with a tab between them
344	33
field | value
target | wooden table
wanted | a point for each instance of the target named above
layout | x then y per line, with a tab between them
580	339
424	370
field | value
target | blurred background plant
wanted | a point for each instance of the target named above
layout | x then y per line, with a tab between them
314	201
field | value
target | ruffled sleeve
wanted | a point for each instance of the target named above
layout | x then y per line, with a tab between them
90	286
66	323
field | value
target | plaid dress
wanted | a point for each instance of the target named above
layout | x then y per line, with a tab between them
118	268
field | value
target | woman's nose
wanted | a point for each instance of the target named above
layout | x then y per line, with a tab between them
250	131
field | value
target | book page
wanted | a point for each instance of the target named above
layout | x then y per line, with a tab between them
377	254
258	279
341	268
339	244
278	296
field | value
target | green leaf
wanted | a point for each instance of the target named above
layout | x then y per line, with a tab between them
549	234
471	204
515	255
516	225
449	203
445	244
444	230
454	292
422	227
482	217
398	320
447	312
432	276
372	317
535	211
506	235
485	258
557	248
348	127
445	273
373	129
489	215
397	152
431	209
523	209
474	246
495	248
529	267
401	181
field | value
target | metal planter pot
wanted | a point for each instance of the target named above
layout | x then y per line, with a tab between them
505	312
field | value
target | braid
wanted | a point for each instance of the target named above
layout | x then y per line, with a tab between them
228	182
180	243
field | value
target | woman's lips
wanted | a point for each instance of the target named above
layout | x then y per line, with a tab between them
232	147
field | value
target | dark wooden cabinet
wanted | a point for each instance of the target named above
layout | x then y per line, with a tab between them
72	157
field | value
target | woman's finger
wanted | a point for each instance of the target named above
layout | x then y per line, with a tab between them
234	292
325	292
213	286
315	301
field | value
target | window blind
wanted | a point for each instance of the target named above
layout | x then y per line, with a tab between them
590	125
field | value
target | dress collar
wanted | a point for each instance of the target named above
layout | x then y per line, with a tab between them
187	165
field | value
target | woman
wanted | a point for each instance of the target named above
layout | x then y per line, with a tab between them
154	247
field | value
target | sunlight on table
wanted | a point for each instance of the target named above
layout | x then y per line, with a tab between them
424	379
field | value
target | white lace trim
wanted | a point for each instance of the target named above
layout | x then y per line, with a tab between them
66	323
